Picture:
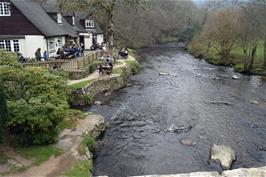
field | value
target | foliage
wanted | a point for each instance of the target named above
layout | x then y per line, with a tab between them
88	99
71	119
234	34
134	66
39	154
81	168
3	110
36	100
220	31
88	142
263	78
12	59
60	72
93	65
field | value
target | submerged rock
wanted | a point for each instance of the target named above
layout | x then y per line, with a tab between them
187	142
162	73
181	129
223	155
253	101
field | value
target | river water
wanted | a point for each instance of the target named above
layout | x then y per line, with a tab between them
202	98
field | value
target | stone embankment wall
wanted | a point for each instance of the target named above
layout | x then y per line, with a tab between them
103	84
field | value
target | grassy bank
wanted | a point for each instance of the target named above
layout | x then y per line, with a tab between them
236	60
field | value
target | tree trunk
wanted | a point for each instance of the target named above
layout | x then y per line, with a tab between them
246	59
264	51
253	53
110	31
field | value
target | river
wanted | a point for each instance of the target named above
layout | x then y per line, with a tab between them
202	98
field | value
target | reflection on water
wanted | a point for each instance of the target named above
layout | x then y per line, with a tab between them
143	135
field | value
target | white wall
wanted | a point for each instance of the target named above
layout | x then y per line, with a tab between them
87	40
99	38
31	44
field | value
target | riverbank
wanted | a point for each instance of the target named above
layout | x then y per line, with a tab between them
75	157
236	59
71	155
84	91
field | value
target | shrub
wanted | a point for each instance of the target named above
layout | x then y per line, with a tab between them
134	66
36	100
3	110
88	99
88	142
93	66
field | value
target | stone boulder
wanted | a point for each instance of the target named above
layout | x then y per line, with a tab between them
223	155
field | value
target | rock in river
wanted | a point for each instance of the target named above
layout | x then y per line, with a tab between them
98	103
253	101
235	77
187	142
223	155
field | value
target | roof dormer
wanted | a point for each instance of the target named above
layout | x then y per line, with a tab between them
59	18
89	23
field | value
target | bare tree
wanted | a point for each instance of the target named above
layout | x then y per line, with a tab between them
107	7
248	34
220	30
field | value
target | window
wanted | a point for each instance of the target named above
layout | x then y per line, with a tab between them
5	9
59	18
16	45
10	45
89	23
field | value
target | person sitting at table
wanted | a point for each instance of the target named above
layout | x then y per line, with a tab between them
110	65
101	70
123	53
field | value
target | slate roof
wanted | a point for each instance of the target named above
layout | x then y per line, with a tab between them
39	18
52	10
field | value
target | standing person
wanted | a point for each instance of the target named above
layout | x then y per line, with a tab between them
38	55
45	56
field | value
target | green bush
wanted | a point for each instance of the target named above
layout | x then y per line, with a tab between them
3	110
88	142
134	66
88	99
36	100
93	66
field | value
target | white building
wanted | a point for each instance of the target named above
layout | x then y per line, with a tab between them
27	26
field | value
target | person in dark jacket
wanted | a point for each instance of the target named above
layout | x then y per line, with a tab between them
38	55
